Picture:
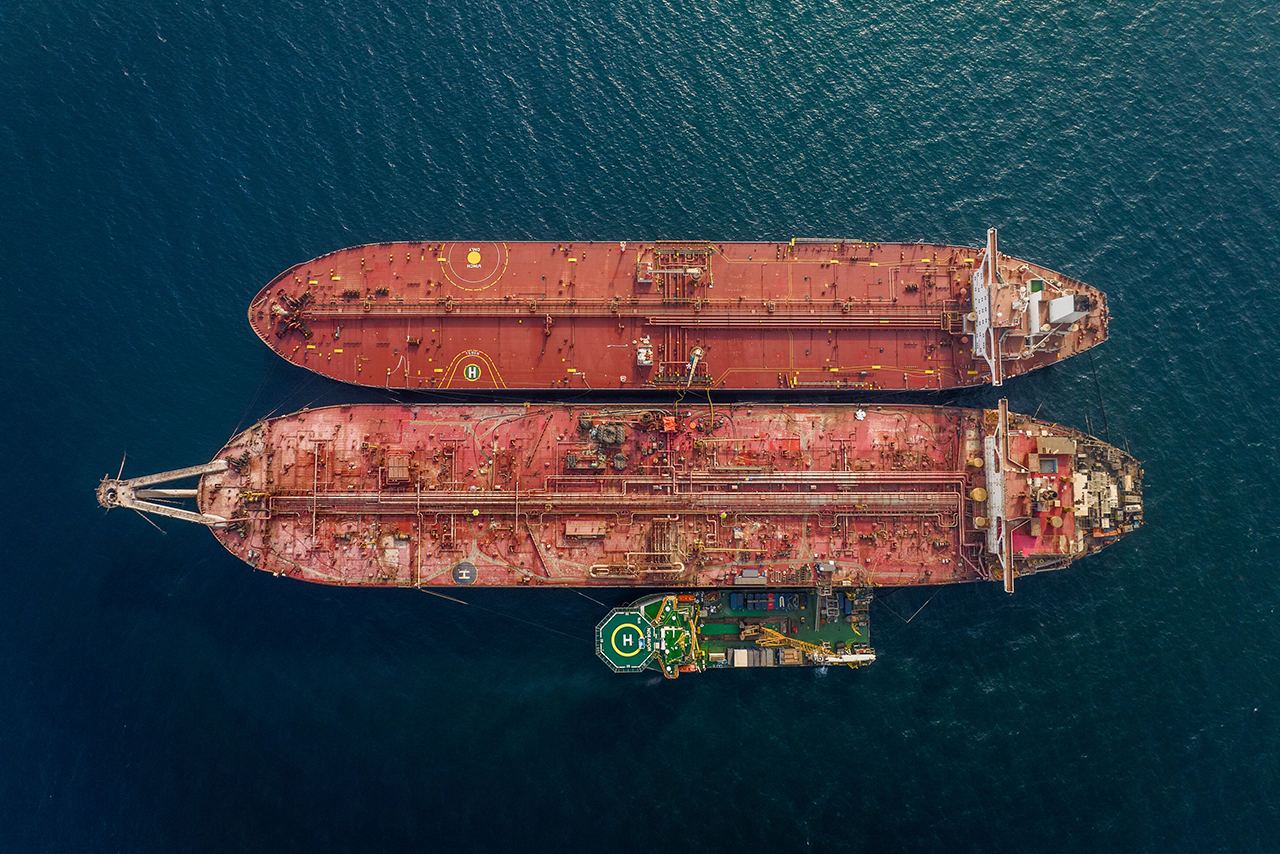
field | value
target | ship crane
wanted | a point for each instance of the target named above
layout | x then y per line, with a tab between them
142	494
818	653
694	359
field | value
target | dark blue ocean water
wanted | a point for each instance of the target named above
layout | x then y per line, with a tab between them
160	161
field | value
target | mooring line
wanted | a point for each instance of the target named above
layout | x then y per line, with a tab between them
1097	386
577	638
585	596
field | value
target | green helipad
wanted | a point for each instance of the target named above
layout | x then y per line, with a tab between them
625	640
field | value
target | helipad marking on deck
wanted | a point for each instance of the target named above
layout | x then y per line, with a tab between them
464	572
474	267
625	639
477	359
633	640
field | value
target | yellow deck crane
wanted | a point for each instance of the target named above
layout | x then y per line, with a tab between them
819	653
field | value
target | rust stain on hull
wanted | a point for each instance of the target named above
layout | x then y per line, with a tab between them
725	496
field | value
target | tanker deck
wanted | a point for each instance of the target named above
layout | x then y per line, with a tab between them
725	496
805	314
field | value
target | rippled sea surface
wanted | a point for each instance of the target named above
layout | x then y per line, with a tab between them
160	161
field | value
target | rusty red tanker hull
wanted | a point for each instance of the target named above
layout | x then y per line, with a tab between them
580	496
802	314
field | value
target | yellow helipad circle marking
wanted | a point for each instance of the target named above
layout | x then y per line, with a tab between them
482	361
473	267
471	372
613	640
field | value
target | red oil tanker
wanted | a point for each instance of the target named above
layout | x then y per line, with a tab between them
826	500
803	314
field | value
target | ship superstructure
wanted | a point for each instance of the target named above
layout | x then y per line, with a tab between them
800	314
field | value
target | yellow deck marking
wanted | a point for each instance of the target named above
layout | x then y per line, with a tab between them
473	257
613	639
455	364
485	282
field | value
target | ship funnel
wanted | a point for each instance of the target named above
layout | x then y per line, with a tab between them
143	495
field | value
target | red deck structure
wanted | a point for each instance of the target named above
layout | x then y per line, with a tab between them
804	314
630	495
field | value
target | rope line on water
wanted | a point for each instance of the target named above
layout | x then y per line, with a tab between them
589	598
1097	387
905	620
576	638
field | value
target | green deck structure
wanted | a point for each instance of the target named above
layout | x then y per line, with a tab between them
625	640
691	632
